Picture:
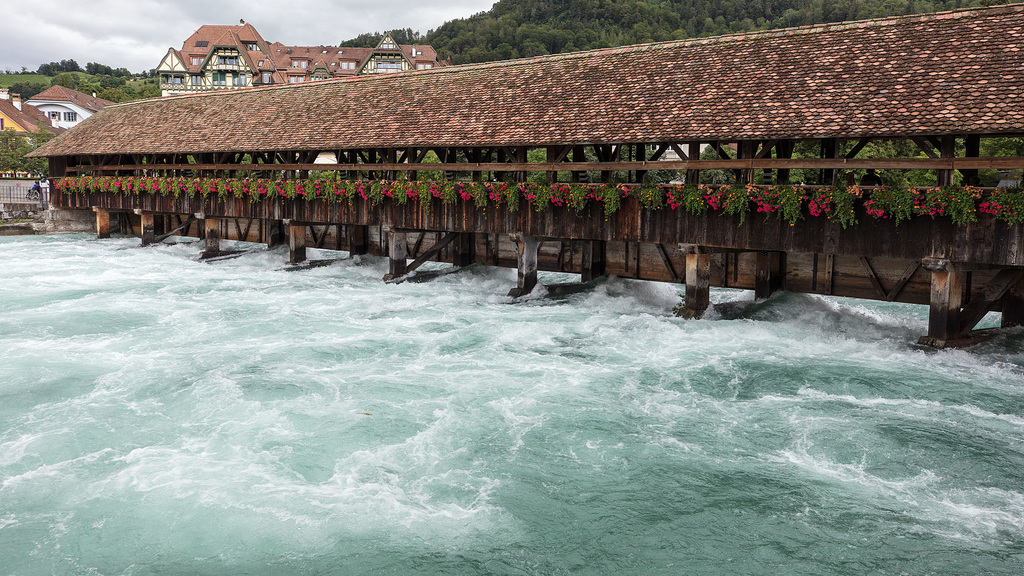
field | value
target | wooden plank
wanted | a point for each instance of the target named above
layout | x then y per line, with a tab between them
668	263
432	251
993	291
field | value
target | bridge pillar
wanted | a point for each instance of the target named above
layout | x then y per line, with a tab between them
275	233
358	240
464	249
698	286
1013	306
296	242
526	252
148	225
211	233
769	274
398	254
593	261
945	303
102	222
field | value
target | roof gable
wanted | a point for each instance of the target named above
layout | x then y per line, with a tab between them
59	93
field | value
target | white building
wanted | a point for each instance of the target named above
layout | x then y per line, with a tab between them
65	107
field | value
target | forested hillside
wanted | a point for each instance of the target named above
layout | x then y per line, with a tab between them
521	28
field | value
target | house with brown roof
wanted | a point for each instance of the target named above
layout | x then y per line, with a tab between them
66	107
225	57
21	117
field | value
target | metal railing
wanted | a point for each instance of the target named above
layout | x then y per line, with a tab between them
22	195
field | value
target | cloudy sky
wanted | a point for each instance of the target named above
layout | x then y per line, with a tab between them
135	34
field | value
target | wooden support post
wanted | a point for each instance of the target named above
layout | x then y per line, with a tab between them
946	297
211	229
526	251
358	240
947	149
102	222
275	233
593	260
464	249
148	227
296	242
829	149
398	254
768	274
693	153
972	149
783	149
698	285
1013	306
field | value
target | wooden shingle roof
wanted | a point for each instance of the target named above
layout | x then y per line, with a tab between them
959	72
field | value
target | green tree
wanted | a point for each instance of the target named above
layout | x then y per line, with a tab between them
15	145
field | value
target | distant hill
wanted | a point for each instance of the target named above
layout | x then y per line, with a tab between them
523	28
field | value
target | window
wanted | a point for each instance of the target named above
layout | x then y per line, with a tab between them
220	79
424	66
388	46
266	78
202	43
252	47
71	116
299	63
296	79
54	115
196	80
196	60
348	65
177	80
389	66
239	80
229	60
260	64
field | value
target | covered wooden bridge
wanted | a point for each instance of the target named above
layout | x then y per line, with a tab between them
540	163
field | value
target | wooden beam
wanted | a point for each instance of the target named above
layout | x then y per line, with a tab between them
768	274
993	292
668	263
148	230
431	252
698	286
358	239
211	242
464	252
296	242
889	295
180	227
593	260
102	222
1013	306
947	289
526	254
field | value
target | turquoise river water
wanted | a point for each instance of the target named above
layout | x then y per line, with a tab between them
159	415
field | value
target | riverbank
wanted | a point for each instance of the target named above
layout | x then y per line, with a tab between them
51	221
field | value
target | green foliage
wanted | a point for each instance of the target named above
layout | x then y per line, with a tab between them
15	145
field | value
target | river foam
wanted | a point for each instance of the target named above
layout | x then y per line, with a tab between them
161	414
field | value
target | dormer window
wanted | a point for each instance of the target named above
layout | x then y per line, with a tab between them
299	63
252	47
196	61
229	60
260	64
202	43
